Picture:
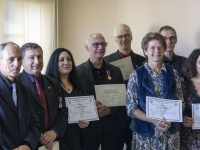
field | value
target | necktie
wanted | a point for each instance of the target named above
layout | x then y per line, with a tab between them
42	97
14	93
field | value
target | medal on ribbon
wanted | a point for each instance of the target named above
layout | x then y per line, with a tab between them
108	73
60	102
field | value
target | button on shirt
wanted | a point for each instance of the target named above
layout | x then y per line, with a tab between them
98	73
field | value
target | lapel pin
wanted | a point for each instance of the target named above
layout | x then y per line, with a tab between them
49	87
108	73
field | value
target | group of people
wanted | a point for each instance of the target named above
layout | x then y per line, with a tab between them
34	113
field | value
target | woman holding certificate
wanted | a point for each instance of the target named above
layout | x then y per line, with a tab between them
61	66
190	136
153	79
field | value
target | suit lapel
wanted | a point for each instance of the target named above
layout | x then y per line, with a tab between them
116	55
177	65
47	90
31	88
88	73
20	99
6	95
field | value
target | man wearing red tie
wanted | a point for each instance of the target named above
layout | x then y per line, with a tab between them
44	95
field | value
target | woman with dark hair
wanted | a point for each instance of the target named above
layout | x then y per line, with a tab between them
153	79
190	139
61	66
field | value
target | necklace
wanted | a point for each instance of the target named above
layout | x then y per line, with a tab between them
67	88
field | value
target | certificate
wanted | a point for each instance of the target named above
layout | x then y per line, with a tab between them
158	108
55	146
111	94
125	66
196	116
81	108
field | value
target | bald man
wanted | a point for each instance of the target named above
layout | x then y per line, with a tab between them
107	131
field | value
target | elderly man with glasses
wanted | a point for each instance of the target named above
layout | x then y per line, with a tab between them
107	131
176	61
123	38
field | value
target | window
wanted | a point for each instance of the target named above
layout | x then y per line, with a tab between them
23	21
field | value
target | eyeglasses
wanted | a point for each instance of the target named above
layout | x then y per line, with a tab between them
153	48
171	38
96	44
126	36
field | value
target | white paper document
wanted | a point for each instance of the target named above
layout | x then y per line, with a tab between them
55	146
125	66
196	116
111	94
81	108
158	108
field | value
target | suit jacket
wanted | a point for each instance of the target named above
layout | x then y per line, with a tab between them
137	60
111	124
18	125
177	62
57	116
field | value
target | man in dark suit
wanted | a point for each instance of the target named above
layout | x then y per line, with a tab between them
170	57
44	93
19	126
123	38
107	131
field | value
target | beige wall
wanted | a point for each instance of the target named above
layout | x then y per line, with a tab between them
80	18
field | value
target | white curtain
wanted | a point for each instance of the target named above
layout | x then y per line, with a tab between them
23	21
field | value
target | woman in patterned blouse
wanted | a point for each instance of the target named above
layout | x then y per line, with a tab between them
153	79
190	138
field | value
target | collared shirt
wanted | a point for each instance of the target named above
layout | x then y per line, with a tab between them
7	81
121	55
98	73
32	78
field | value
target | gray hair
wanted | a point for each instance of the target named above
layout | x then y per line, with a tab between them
166	27
88	39
124	26
3	45
30	46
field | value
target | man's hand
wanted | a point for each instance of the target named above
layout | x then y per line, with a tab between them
102	109
22	147
47	138
83	124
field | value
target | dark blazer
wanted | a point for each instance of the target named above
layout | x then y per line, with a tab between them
58	116
18	125
177	62
137	60
111	124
